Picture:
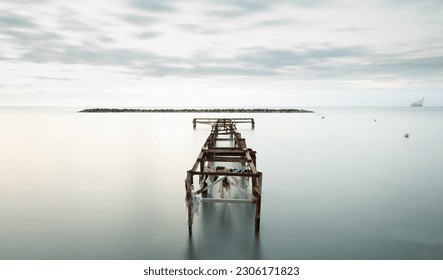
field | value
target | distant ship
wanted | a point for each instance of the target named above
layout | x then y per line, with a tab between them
418	103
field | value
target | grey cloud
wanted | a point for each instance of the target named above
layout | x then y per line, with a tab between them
277	22
72	24
412	67
203	29
154	6
106	39
94	55
13	20
46	78
231	71
253	62
30	38
377	66
140	19
330	63
309	63
355	29
75	54
271	58
234	8
202	70
149	34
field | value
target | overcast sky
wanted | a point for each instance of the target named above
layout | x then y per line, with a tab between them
236	53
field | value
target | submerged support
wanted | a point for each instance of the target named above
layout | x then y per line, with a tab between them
189	200
257	196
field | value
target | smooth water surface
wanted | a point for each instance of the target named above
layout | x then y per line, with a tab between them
111	186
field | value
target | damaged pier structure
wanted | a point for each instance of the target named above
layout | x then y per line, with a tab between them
227	163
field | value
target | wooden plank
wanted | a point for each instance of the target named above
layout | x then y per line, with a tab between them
228	139
211	173
226	159
225	149
228	200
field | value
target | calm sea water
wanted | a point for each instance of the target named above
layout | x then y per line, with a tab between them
111	186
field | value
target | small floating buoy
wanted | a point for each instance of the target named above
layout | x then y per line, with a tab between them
407	135
375	120
322	117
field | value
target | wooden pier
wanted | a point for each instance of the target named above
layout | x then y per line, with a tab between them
226	146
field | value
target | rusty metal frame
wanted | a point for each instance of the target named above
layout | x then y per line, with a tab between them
210	153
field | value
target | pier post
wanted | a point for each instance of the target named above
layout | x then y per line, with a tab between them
257	195
189	202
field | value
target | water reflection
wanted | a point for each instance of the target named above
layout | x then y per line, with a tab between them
224	231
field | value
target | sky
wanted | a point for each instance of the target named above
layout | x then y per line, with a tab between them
221	53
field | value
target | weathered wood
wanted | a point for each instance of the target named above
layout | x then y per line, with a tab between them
252	165
258	202
228	139
189	202
227	159
215	173
229	200
225	149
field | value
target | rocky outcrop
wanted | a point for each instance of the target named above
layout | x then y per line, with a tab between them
258	110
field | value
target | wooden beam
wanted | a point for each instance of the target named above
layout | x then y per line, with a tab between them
228	200
212	173
226	159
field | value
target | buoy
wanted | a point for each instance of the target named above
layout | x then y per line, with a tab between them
323	117
407	135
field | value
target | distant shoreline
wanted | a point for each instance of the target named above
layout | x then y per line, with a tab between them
115	110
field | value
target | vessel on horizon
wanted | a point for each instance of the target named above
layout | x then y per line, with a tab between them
418	103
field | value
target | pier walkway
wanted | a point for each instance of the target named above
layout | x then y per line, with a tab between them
224	161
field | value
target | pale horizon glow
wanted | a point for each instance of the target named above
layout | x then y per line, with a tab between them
221	53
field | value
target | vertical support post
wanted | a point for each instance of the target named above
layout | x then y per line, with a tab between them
202	177
252	123
189	202
194	122
257	195
253	156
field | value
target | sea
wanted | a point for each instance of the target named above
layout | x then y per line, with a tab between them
342	183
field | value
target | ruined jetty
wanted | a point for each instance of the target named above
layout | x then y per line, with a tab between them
223	147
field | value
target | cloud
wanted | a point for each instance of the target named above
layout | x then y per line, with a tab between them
46	78
149	34
235	8
324	40
11	20
89	54
140	19
197	70
277	58
422	67
154	6
27	38
277	22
